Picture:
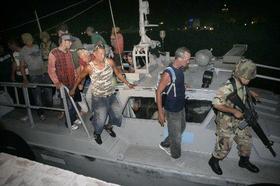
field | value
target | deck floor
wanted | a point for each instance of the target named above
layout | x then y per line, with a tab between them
191	166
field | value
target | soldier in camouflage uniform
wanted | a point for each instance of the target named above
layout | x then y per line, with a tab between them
228	119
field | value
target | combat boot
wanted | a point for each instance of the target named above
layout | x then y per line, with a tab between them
245	163
214	164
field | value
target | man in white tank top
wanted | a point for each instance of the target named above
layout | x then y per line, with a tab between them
104	101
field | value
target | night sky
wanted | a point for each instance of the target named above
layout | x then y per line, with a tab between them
173	12
262	38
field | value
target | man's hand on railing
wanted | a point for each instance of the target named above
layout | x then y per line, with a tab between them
80	87
130	85
72	92
255	95
58	85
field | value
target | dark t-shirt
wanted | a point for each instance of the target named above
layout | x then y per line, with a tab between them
172	103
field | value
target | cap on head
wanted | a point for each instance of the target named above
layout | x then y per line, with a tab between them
67	37
246	69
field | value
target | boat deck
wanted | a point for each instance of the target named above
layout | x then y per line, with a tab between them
192	167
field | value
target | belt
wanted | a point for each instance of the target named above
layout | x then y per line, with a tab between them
106	95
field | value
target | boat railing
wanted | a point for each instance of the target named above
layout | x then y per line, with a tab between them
270	68
14	88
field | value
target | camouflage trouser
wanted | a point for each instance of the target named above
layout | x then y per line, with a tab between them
226	131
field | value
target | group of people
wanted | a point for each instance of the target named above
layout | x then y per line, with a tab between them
29	64
228	116
68	64
100	69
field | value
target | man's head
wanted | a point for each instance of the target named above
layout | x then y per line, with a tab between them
182	56
245	70
89	30
99	52
62	29
66	41
45	37
115	29
84	55
27	39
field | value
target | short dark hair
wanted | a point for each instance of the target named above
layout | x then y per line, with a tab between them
63	27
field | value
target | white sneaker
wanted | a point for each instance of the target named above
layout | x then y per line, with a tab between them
165	149
42	117
24	118
74	127
78	122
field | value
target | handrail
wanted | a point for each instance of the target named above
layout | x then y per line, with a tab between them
268	77
77	111
28	106
268	67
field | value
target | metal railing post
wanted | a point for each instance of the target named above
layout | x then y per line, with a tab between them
77	112
64	92
16	94
28	108
66	110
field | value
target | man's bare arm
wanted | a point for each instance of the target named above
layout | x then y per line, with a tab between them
81	76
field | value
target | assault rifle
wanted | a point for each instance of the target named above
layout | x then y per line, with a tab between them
250	118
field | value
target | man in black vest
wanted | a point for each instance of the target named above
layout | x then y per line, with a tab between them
174	103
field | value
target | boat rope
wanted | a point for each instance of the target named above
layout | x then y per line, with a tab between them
115	33
42	17
74	16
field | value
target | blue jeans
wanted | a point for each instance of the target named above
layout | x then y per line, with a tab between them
47	91
176	125
103	107
71	110
36	92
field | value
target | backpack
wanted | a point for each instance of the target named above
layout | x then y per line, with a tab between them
172	85
173	78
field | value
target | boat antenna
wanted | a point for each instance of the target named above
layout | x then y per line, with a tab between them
115	33
38	22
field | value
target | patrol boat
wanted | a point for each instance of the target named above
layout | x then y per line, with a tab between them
134	156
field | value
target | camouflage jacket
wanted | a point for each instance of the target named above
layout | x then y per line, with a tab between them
221	96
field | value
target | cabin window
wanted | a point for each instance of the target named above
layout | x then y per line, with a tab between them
197	110
141	108
146	108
